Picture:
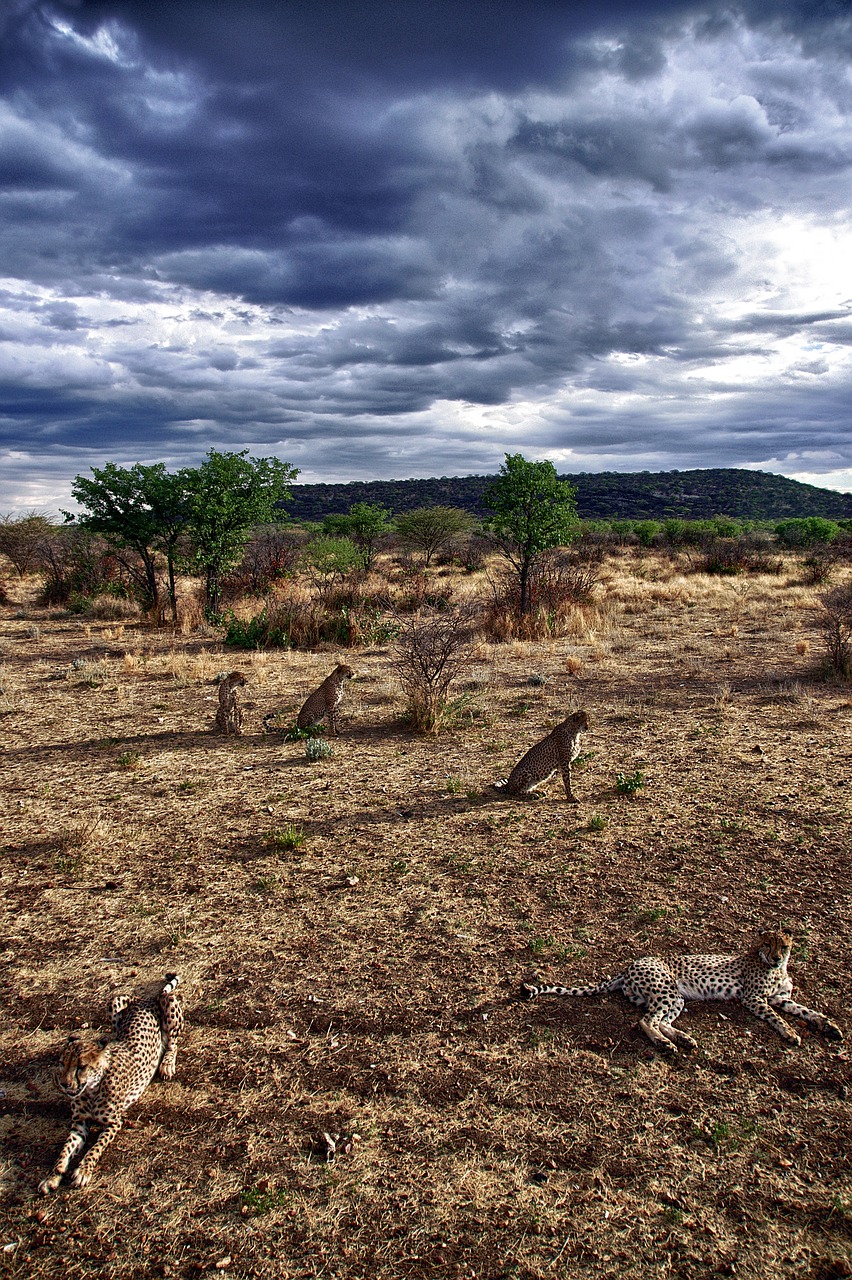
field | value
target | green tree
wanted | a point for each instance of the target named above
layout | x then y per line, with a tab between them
428	529
328	560
365	525
533	511
226	497
143	508
115	504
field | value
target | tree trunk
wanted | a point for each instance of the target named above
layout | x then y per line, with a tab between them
524	576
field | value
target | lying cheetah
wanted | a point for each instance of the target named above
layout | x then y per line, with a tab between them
759	979
104	1077
324	701
538	766
229	717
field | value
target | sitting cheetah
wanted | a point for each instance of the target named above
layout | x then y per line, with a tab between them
759	979
324	701
229	717
538	766
104	1077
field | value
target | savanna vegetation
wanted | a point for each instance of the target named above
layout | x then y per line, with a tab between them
359	1093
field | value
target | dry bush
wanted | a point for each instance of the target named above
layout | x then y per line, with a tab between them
113	609
561	587
837	628
731	556
430	651
271	555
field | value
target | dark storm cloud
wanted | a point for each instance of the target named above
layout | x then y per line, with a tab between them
364	235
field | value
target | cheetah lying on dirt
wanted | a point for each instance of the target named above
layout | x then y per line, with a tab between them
759	979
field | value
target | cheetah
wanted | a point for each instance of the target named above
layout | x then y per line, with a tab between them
229	717
759	979
104	1077
324	701
556	751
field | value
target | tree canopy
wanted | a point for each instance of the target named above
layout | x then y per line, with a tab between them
227	496
533	510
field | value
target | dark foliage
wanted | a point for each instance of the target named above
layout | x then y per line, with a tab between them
608	495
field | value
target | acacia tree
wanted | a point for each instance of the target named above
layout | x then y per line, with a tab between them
143	508
428	529
115	504
22	540
533	511
227	496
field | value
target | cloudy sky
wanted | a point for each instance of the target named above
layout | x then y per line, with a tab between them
402	237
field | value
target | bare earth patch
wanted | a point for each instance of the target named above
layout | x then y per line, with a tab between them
352	934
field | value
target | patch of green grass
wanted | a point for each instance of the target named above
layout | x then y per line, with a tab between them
285	839
262	1199
266	884
627	784
597	823
128	760
539	945
454	785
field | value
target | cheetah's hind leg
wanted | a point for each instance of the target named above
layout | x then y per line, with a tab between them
658	1025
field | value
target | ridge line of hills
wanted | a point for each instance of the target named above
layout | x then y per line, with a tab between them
603	495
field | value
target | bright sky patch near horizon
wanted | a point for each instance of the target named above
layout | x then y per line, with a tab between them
398	239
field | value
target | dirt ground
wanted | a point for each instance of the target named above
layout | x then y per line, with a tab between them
351	936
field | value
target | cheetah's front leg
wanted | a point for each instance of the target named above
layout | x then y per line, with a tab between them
75	1142
823	1024
172	1027
566	778
761	1009
83	1173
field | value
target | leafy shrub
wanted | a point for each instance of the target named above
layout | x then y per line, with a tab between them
259	632
317	749
628	784
807	532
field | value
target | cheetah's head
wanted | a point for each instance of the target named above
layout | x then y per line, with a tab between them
81	1066
579	720
344	672
773	947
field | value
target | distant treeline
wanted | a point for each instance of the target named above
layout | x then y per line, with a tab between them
606	495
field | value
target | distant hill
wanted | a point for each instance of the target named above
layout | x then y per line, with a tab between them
604	495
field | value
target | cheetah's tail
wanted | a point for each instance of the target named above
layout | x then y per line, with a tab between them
172	981
502	786
532	990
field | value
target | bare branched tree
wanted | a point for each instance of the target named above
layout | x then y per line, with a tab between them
430	651
837	625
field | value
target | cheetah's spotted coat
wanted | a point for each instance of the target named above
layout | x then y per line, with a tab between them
557	751
758	979
103	1078
324	701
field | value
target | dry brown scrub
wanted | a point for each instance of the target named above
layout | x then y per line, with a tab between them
351	934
